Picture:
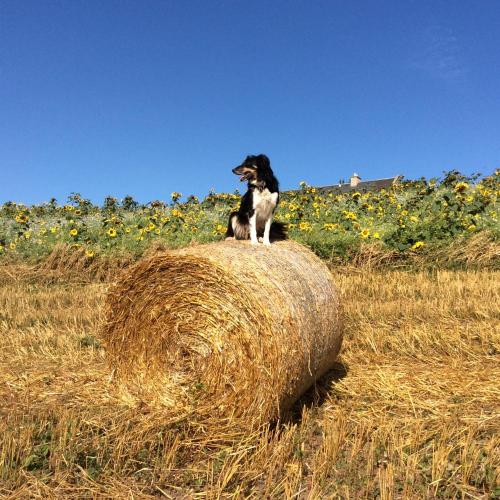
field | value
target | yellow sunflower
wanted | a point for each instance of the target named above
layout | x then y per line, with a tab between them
461	186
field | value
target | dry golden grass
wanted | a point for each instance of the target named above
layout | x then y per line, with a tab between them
411	412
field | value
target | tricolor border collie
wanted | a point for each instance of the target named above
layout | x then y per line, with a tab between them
253	220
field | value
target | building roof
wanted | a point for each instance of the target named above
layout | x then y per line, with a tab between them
373	185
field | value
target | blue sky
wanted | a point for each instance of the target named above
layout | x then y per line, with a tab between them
147	97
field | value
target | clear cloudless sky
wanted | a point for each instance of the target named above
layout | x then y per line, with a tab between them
147	97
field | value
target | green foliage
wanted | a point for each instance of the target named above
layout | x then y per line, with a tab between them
409	217
89	341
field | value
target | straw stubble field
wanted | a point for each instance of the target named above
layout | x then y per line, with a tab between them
412	410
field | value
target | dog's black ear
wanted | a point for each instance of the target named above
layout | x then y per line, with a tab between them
264	161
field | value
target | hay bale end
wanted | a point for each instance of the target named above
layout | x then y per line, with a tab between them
224	331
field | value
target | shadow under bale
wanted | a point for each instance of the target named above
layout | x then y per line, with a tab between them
223	333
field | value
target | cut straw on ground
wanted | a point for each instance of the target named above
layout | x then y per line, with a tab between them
414	413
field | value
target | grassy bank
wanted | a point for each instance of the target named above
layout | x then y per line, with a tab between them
414	218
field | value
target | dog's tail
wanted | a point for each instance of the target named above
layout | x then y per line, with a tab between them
279	231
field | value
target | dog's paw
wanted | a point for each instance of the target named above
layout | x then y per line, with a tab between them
267	243
254	242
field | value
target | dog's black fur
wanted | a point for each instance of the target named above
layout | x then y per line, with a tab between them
259	202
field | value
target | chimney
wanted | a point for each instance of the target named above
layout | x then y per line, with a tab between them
355	179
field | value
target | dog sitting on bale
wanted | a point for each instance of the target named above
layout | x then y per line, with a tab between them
253	220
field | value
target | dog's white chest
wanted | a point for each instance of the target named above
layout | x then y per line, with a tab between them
264	203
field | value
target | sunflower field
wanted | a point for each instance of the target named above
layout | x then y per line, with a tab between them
413	217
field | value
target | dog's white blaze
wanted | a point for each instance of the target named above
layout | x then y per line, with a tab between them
264	203
253	229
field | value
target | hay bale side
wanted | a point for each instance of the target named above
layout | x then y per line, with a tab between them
224	331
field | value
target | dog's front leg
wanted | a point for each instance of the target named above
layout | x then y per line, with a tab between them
267	230
253	229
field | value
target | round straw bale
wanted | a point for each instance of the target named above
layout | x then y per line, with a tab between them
224	331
